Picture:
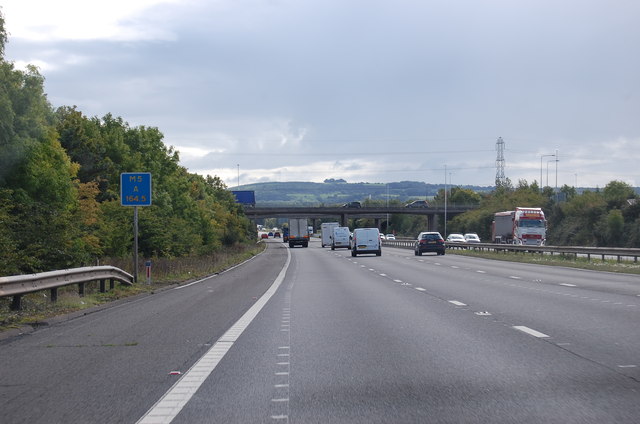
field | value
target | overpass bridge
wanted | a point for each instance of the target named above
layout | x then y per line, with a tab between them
342	214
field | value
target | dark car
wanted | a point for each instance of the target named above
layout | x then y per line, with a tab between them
417	204
352	205
429	241
276	234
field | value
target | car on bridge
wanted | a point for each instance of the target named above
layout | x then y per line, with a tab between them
417	204
356	205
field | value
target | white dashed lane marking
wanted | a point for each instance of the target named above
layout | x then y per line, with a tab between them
530	331
457	303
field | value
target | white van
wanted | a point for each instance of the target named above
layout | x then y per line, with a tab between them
366	240
326	232
341	238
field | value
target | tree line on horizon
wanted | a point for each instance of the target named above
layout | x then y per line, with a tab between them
59	186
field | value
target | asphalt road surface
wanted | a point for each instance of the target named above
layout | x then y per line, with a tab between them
390	339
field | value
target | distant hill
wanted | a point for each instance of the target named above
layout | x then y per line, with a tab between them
339	192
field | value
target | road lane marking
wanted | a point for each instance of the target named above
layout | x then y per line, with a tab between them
383	275
568	285
457	303
172	402
627	366
397	281
515	278
530	331
481	272
420	288
215	275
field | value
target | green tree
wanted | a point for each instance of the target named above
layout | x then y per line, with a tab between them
616	194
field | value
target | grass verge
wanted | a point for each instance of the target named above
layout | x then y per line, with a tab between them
37	307
627	267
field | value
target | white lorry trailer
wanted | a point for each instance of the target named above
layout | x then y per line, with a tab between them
298	232
326	234
523	226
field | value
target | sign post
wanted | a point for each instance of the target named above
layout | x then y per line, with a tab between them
135	190
147	265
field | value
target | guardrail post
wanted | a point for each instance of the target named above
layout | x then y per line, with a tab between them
16	303
81	289
112	284
54	294
102	286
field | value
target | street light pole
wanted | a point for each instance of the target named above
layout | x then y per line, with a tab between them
557	159
543	156
387	226
445	200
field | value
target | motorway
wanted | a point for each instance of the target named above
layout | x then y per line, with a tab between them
391	339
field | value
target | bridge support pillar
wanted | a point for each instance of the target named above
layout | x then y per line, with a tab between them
343	220
378	221
434	223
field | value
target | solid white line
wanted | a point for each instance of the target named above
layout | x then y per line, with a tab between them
215	275
530	331
457	303
172	402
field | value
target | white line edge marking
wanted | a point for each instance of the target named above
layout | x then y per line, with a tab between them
219	273
530	331
172	402
457	303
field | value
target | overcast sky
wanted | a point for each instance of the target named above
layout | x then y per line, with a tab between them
374	91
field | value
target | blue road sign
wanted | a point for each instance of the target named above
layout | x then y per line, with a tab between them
135	189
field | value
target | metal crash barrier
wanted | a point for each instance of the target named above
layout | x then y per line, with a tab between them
19	285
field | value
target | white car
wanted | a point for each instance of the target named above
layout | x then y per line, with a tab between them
456	238
472	238
390	237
